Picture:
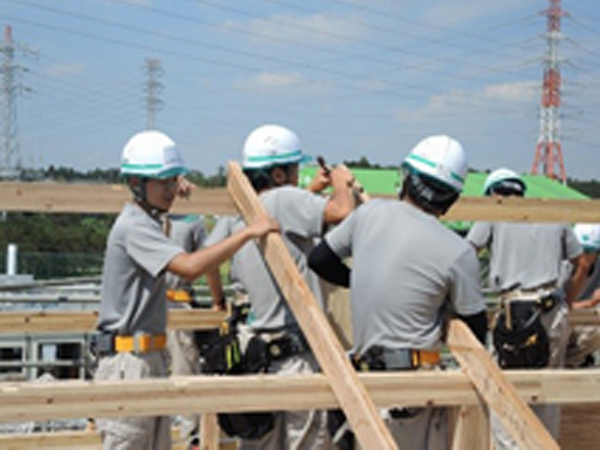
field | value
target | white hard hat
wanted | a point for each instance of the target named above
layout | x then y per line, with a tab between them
271	145
588	235
441	158
152	154
506	178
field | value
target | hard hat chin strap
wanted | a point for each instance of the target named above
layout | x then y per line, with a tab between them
263	179
427	194
139	194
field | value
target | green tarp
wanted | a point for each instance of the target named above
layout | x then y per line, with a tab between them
386	181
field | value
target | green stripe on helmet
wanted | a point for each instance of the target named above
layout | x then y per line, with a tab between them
429	163
297	154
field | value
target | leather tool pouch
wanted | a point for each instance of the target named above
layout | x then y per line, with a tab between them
523	342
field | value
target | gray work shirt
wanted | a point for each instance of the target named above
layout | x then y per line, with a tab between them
525	255
133	297
408	272
224	227
189	233
300	217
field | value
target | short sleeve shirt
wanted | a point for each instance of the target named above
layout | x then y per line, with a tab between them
525	255
300	217
133	296
224	227
408	272
188	232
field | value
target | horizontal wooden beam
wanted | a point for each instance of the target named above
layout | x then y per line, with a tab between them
51	197
27	401
195	319
589	316
84	440
85	321
515	209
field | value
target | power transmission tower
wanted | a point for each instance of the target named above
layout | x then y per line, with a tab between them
10	164
548	152
153	87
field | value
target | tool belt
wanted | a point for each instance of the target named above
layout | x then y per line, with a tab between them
378	358
108	344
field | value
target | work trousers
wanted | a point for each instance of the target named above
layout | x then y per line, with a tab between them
294	430
584	341
185	360
134	433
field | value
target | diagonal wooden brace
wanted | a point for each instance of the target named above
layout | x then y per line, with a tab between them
499	394
349	391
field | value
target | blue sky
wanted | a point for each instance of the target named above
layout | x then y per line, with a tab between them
352	77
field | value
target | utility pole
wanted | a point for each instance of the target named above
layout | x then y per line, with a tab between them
153	87
548	152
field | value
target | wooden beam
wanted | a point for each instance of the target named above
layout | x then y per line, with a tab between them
470	427
515	209
501	397
352	395
75	440
52	197
196	319
589	316
58	440
68	399
209	431
85	321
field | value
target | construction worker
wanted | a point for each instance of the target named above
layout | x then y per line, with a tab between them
271	158
584	341
525	261
409	272
131	338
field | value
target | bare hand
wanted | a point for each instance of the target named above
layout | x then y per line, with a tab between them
595	300
184	188
262	225
320	181
341	176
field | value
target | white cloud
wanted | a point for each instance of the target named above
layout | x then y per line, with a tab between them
507	95
285	83
267	80
66	70
315	29
464	11
511	92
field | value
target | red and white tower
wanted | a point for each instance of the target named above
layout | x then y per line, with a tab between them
548	152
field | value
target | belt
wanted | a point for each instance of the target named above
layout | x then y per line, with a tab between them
379	358
546	299
140	343
109	344
179	295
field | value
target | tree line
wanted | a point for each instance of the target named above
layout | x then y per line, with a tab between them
83	236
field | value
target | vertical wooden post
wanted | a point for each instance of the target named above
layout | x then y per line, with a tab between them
209	431
352	395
